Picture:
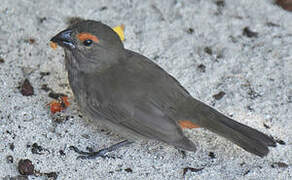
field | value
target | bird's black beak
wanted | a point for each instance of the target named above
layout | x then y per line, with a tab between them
64	39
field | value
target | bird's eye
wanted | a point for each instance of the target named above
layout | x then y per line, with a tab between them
87	42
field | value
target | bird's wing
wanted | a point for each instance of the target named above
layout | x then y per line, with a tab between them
143	119
135	96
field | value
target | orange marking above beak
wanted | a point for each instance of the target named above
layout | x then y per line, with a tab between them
187	124
84	36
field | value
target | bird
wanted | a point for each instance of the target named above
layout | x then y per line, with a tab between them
133	96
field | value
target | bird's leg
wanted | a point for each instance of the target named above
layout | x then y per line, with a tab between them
101	153
183	153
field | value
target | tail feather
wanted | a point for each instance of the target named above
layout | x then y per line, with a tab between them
246	137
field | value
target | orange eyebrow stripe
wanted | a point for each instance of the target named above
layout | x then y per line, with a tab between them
187	124
85	36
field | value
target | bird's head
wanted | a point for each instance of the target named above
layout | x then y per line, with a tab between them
90	41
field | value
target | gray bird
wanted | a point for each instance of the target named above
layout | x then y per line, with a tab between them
132	95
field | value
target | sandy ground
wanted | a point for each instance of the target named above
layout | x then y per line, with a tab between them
242	48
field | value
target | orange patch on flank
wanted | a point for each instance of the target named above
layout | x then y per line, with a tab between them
59	105
187	124
53	45
85	36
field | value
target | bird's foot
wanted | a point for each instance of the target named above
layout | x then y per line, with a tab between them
183	153
101	153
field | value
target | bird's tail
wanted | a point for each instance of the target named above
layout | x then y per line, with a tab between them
246	137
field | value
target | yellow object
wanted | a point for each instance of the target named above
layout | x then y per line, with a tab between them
120	31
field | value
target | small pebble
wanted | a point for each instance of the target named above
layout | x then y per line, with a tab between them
26	88
219	95
25	167
248	33
129	170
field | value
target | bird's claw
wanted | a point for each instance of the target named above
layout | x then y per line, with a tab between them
101	153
